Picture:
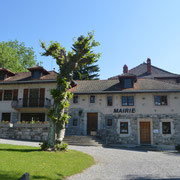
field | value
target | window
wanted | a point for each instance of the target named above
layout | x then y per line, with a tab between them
6	117
75	99
92	99
127	100
34	97
123	127
109	122
8	95
160	100
36	74
109	101
166	127
128	83
75	122
2	76
33	117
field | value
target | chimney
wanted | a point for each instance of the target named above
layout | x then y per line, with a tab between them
125	69
149	65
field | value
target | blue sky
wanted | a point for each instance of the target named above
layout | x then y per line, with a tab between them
129	31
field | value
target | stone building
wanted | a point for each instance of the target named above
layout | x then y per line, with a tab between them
140	106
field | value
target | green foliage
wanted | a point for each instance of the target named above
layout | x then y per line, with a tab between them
82	55
15	56
87	72
178	147
44	146
61	147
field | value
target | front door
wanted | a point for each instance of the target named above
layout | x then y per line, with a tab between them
92	122
145	133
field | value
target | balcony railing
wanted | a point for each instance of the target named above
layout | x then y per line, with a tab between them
30	102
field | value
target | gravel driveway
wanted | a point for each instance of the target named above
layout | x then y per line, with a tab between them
118	164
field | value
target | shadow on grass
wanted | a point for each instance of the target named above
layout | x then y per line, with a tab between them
7	175
20	150
131	177
60	177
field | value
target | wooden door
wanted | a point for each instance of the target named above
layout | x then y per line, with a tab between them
25	98
92	122
15	95
42	96
145	133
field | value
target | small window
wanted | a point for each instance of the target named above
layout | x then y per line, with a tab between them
127	100
166	127
109	101
160	100
8	95
92	99
75	99
123	127
2	76
75	122
6	117
128	83
109	122
36	74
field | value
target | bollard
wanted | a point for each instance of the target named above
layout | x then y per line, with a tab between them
24	177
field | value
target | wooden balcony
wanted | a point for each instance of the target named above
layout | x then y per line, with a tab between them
32	105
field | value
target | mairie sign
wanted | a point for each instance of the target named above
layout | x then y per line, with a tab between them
124	110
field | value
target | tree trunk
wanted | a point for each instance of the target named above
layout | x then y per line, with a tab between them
60	133
51	134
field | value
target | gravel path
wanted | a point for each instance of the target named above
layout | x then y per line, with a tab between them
118	164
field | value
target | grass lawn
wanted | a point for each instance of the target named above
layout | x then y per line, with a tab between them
17	160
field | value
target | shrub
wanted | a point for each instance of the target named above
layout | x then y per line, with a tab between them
61	147
44	146
178	147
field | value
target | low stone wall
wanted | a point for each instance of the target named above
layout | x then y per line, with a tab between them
31	132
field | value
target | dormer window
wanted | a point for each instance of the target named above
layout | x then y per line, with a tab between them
37	72
127	80
2	76
5	73
128	83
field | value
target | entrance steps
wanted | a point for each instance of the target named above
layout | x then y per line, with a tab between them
135	147
83	140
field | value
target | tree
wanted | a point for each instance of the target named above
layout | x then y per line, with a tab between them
87	72
15	56
81	55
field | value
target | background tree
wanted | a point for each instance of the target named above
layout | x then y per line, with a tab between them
15	56
82	54
87	72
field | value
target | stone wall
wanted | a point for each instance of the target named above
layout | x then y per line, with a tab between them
31	132
77	114
112	134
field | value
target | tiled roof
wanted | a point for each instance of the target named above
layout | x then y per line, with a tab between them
26	76
141	72
108	86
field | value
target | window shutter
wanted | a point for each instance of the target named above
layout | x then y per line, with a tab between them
42	96
25	98
15	94
1	93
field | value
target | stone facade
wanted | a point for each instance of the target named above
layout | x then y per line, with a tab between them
31	132
112	135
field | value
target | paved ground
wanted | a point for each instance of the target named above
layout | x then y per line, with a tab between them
118	164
